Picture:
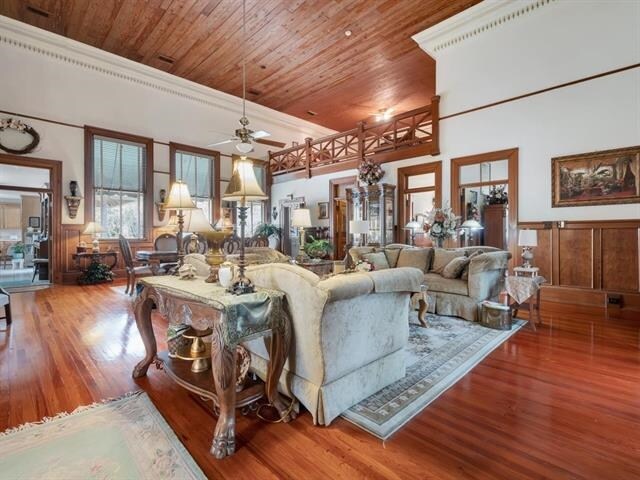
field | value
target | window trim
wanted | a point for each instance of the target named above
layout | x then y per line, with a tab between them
215	180
89	197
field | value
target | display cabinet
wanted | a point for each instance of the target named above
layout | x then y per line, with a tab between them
375	203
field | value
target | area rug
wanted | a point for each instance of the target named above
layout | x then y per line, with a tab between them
26	288
125	438
437	357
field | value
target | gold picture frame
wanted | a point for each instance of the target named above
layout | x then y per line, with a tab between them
607	177
323	210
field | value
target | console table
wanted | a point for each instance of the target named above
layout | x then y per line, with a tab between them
233	319
154	258
97	257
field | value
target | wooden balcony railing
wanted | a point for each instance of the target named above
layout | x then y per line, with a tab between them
408	134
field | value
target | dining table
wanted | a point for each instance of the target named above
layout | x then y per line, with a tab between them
156	258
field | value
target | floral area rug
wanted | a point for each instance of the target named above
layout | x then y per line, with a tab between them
125	438
437	357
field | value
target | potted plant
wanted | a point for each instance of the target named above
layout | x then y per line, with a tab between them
318	248
18	250
272	232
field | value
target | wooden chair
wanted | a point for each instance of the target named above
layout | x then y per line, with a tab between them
5	301
257	241
132	270
166	243
38	264
231	245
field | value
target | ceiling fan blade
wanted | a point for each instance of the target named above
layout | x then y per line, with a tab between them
260	134
222	142
271	143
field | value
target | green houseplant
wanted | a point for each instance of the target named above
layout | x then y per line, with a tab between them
318	248
18	250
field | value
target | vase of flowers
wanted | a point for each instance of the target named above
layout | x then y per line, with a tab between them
498	195
443	224
370	172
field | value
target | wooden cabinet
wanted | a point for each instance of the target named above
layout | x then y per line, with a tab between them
495	226
375	203
10	216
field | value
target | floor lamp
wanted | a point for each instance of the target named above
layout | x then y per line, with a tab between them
180	200
243	188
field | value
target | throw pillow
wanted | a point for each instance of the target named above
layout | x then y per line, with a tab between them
454	268
442	257
377	259
356	253
414	257
392	255
465	271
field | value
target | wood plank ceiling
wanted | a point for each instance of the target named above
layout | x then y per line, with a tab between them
299	59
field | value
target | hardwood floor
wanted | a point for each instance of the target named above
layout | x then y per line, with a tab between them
562	403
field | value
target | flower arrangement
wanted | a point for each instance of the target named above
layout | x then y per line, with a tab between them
498	195
12	124
364	266
370	172
443	224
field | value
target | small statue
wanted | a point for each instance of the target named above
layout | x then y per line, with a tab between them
73	187
187	271
163	196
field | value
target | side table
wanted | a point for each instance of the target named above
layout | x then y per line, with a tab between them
525	291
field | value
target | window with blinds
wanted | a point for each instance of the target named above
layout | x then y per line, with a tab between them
119	172
196	171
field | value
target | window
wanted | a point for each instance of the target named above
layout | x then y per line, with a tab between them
119	170
198	169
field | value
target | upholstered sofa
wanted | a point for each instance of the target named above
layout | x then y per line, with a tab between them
480	278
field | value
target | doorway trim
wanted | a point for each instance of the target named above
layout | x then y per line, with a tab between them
333	183
403	188
511	155
55	180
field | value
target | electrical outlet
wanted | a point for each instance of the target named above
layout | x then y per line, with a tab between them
614	300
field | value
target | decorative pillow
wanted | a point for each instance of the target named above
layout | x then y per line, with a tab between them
465	271
392	255
454	268
377	259
442	257
414	257
357	252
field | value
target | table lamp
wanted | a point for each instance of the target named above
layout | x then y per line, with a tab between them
93	228
301	219
469	226
243	188
413	226
180	200
359	227
527	239
195	222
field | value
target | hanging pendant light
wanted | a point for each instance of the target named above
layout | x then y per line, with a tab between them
243	133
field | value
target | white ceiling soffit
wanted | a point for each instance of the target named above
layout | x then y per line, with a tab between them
472	22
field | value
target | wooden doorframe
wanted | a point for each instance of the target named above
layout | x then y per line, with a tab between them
333	183
55	184
403	188
511	155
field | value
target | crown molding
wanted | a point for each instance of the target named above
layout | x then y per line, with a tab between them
65	50
474	21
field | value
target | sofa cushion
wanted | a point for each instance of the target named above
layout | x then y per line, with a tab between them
377	259
455	267
437	283
465	270
415	257
356	253
405	279
344	286
392	255
442	257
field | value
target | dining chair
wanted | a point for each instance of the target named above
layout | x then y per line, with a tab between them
166	242
231	245
133	271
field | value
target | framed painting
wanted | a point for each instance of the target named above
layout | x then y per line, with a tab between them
323	210
598	178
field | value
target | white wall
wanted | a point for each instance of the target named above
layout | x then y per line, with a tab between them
52	77
557	42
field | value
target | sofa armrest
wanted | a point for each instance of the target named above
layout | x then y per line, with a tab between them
402	279
343	287
486	274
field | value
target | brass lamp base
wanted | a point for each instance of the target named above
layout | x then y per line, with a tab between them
215	255
241	286
199	353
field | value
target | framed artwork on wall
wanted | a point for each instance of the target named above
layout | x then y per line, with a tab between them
34	222
323	210
599	178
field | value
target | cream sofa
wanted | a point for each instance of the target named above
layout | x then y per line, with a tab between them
349	334
460	297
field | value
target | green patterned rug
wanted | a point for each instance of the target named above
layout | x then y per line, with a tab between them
437	357
120	439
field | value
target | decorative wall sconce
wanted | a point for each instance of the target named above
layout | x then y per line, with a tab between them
73	200
160	205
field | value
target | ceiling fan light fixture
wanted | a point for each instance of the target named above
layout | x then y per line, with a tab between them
244	147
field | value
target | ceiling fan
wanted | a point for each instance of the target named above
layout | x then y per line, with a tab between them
243	135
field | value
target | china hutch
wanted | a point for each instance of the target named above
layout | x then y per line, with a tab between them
375	203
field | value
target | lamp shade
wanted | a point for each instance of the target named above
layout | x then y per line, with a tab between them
528	238
195	221
412	225
472	224
301	218
359	226
243	186
179	197
93	228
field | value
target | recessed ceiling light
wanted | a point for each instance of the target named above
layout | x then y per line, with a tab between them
312	113
347	33
166	59
383	114
38	11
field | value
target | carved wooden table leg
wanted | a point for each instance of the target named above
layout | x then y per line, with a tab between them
423	304
142	311
223	366
279	344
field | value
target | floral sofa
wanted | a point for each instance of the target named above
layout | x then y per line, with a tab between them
458	280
